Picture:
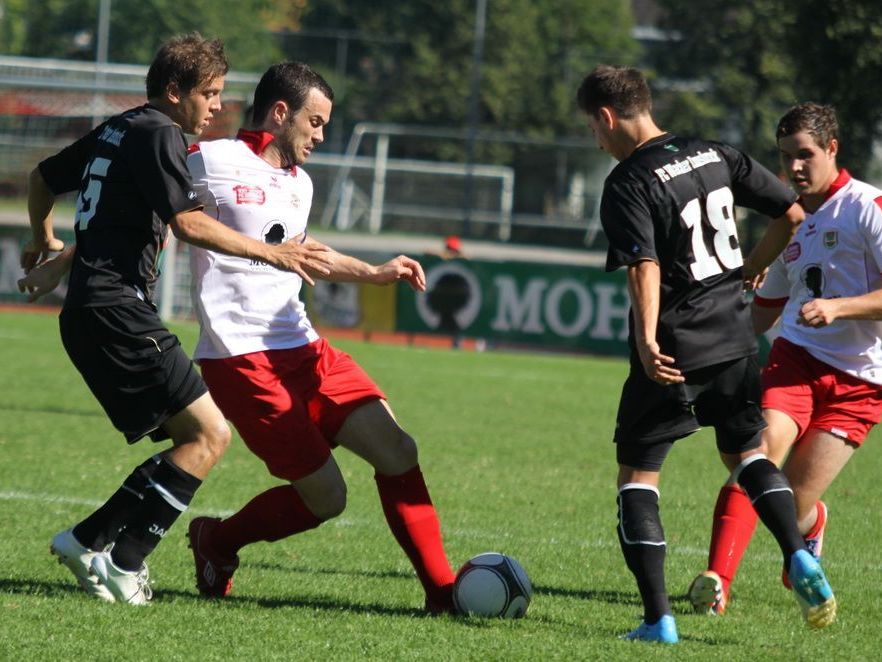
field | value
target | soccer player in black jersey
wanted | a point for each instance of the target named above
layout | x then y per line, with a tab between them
668	211
133	184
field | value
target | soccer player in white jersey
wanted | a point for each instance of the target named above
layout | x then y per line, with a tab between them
291	395
822	387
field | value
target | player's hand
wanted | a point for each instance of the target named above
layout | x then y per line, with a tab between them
752	283
401	268
303	259
817	313
659	367
35	253
42	279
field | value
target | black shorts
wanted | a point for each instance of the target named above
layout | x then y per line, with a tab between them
651	417
134	366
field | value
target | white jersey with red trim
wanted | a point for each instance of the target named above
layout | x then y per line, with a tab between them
836	252
246	305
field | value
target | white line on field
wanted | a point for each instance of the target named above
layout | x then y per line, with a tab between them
683	550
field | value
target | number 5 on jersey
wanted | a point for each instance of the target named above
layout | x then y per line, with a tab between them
87	200
719	207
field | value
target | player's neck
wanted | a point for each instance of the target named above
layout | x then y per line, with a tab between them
638	132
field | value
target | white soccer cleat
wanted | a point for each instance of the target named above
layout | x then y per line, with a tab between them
706	594
131	588
78	560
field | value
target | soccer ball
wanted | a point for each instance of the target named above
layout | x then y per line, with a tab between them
493	585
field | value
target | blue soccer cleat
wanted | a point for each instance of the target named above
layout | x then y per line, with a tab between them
812	591
664	631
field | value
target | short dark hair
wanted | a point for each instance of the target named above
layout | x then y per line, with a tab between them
289	82
624	89
817	120
189	60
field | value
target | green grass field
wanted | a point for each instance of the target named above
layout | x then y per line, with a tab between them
516	452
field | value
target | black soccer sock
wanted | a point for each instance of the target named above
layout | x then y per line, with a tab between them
168	494
772	498
642	539
103	526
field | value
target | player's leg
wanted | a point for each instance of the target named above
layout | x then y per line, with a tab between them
129	345
642	537
812	466
650	417
259	394
372	433
734	522
272	515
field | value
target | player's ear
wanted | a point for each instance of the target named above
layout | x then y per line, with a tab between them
279	112
607	117
833	147
173	92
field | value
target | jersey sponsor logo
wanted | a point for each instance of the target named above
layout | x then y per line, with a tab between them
792	252
812	277
249	195
275	232
831	238
676	168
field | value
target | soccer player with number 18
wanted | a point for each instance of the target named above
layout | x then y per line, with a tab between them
668	213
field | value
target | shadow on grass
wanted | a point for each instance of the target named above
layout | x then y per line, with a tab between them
378	574
88	413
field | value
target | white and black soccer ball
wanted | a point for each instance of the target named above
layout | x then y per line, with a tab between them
492	585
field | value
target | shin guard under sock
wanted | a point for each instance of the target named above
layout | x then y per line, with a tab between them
168	494
642	539
272	515
414	523
103	526
733	527
772	497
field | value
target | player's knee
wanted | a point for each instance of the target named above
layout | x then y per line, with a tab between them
331	503
210	441
407	450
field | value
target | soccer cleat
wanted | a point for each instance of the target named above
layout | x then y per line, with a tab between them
707	595
214	574
129	587
814	541
78	560
811	589
441	602
664	631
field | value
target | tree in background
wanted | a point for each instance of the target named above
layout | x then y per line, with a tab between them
67	28
757	59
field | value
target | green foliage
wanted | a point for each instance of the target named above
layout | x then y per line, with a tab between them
757	59
535	54
68	28
516	451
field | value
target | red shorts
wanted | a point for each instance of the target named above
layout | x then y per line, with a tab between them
289	404
816	395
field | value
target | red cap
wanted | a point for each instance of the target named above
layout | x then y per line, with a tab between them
452	243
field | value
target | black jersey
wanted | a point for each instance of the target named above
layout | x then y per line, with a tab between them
673	201
132	177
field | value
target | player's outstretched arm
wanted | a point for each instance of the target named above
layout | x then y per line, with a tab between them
46	276
197	228
41	202
349	269
778	234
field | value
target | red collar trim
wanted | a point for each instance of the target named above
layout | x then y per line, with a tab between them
841	180
257	142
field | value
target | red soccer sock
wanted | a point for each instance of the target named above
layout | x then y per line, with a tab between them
414	523
734	524
272	515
